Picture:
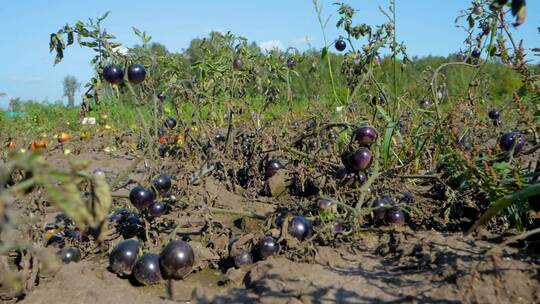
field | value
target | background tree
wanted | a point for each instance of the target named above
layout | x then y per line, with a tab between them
71	86
15	104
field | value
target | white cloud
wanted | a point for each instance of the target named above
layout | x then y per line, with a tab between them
270	45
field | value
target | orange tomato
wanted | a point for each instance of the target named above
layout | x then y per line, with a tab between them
180	139
11	144
38	144
42	143
63	137
162	139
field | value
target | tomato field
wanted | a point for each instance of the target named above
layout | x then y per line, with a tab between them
354	173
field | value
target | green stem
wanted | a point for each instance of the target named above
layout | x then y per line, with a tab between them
322	24
394	43
374	175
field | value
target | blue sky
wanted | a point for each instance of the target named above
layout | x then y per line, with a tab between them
27	69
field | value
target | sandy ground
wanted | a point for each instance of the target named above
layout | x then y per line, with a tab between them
381	267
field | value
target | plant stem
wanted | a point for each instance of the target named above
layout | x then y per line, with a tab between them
394	46
374	175
322	24
237	212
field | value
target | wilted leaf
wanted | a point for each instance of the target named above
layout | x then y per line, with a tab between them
519	10
278	183
66	196
70	38
52	42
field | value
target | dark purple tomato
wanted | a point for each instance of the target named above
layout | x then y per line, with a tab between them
457	182
395	215
461	56
243	258
123	257
177	259
360	160
99	171
113	74
377	100
336	227
141	197
332	135
424	103
174	151
534	203
340	45
163	150
362	177
146	271
512	139
272	167
408	197
136	73
291	63
117	214
70	254
366	135
160	132
238	64
170	122
326	145
494	114
130	225
476	53
163	183
313	143
377	59
465	143
157	209
379	206
57	241
325	203
267	247
300	228
342	173
219	137
76	235
346	160
161	97
497	122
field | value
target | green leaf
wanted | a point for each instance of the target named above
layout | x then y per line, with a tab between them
324	52
387	142
104	16
502	166
137	31
471	21
503	202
